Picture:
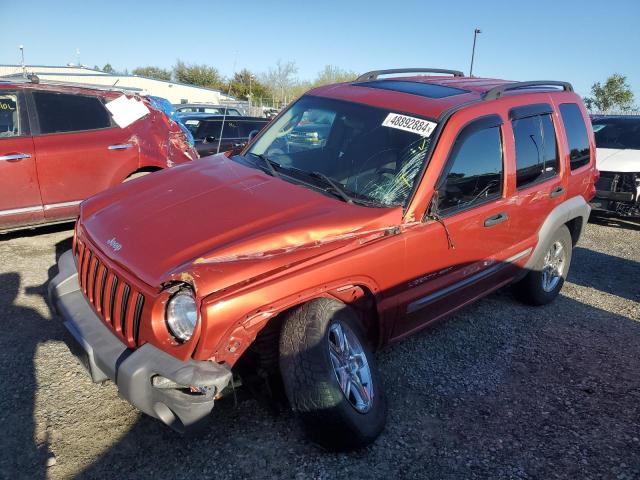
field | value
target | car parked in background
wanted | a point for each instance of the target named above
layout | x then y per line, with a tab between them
207	108
211	137
279	267
618	159
61	144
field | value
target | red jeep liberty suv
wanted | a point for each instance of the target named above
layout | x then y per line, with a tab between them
364	212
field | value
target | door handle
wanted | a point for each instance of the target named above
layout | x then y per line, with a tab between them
15	156
121	146
496	219
556	192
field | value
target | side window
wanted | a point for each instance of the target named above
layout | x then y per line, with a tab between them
209	129
61	112
576	135
474	170
10	124
536	149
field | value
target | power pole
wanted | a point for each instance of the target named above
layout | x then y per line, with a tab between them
473	50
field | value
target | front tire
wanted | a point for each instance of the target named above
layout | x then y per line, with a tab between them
330	377
542	284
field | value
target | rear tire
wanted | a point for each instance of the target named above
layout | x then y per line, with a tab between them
543	283
135	175
311	361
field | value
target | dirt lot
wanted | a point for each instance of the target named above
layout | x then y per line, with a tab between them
500	390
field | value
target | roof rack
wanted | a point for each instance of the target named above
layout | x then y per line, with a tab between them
18	78
374	74
496	92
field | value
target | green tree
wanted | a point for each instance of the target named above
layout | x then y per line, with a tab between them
243	83
153	72
332	74
200	75
615	93
108	68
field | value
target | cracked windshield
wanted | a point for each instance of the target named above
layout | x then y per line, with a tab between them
363	154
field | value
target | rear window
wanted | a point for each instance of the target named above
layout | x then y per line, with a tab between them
61	112
247	127
576	134
617	133
536	149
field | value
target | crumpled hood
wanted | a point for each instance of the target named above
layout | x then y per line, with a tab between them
215	211
618	160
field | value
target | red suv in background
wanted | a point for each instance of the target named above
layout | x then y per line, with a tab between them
288	265
60	144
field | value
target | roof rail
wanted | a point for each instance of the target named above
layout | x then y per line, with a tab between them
496	92
374	74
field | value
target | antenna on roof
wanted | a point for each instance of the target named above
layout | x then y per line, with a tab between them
24	68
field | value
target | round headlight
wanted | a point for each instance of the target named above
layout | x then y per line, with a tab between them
182	315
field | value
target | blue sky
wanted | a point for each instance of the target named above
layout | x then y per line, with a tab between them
578	41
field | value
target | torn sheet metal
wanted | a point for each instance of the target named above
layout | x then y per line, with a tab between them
125	110
165	107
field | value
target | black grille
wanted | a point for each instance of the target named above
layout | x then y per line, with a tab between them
108	292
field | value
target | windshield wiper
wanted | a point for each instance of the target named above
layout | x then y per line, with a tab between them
333	184
269	163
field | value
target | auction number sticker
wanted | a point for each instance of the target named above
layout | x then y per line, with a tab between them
409	124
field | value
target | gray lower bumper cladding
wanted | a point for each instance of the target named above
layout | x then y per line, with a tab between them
153	381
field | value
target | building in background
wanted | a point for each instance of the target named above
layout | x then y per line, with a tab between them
173	91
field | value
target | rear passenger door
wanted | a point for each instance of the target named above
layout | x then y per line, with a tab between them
471	212
20	202
80	151
539	185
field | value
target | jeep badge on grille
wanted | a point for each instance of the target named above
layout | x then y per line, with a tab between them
112	242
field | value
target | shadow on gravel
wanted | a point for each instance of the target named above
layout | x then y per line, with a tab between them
19	452
606	273
17	371
607	220
36	231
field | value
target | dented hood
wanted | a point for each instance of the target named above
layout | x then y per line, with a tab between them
618	160
215	211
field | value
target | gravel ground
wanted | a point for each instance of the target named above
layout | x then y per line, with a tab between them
500	390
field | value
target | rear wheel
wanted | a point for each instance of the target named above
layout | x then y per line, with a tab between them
543	283
330	377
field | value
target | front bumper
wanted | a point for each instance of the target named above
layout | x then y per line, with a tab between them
135	372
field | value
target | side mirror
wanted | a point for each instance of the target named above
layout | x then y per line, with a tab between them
253	133
209	139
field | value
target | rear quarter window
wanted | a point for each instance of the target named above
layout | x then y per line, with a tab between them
536	149
577	137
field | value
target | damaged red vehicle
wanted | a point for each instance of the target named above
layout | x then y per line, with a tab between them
364	212
61	144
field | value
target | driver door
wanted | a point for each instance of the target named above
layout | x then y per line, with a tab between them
461	251
20	202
